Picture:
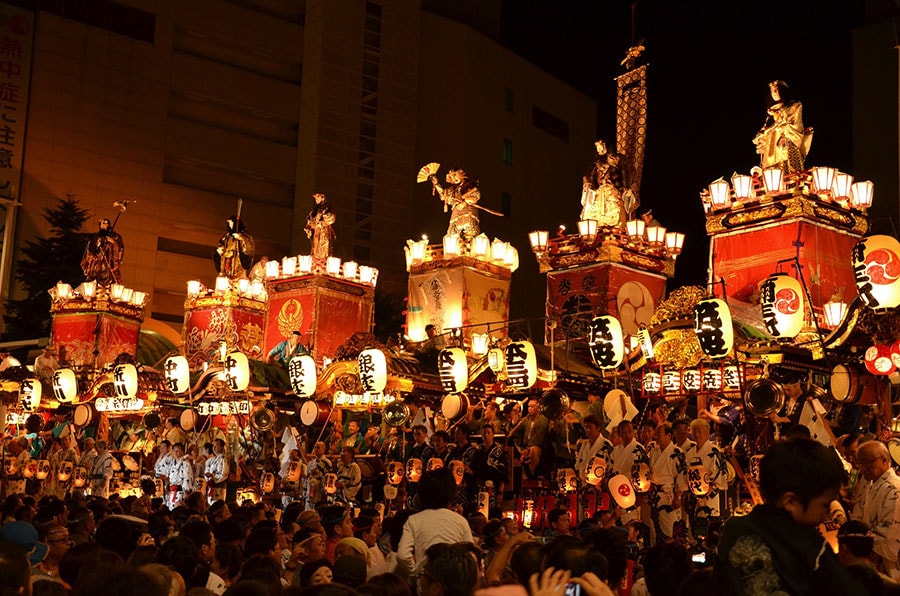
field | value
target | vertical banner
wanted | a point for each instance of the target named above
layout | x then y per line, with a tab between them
631	127
16	42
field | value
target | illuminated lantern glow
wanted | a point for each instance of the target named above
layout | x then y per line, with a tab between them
272	270
861	194
876	270
879	361
30	469
712	324
178	374
528	514
395	472
834	313
480	343
453	370
895	353
652	382
296	469
646	343
30	394
521	365
743	186
305	264
496	359
595	470
538	240
622	492
567	480
267	482
587	229
480	245
333	266
435	463
451	246
733	377
125	380
413	469
712	379
288	266
641	477
81	474
606	342
719	192
691	380
698	480
237	371
372	370
842	185
823	179
65	385
635	229
350	269
43	469
302	373
65	471
783	306
773	180
671	381
193	288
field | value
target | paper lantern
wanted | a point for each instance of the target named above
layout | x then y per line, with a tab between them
606	342
521	365
783	307
719	193
773	180
652	382
712	324
367	274
65	471
496	359
459	470
267	482
876	269
390	492
842	185
538	240
413	469
861	194
567	480
200	485
878	360
733	377
125	380
30	469
372	370
691	380
743	186
333	266
453	370
65	385
451	246
43	469
80	477
595	470
30	394
158	487
296	469
10	465
635	229
193	288
823	179
712	379
395	471
349	269
302	373
480	343
646	343
435	463
622	492
698	480
641	477
895	353
288	266
237	371
178	374
671	381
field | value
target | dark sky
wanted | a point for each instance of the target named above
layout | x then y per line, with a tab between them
709	65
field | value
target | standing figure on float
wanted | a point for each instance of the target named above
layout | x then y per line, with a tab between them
602	193
783	141
319	229
103	255
234	254
461	194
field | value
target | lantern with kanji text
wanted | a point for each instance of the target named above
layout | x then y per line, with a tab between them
712	324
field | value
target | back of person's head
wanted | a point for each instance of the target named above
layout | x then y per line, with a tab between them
868	577
525	560
15	571
699	583
261	541
181	554
199	532
48	587
666	566
143	555
577	556
248	588
803	467
165	576
492	531
118	580
453	567
437	489
82	557
857	538
613	544
797	431
393	527
229	531
349	570
332	589
385	584
116	534
263	569
228	559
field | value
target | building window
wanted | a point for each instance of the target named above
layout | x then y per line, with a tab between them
507	151
509	99
506	204
550	124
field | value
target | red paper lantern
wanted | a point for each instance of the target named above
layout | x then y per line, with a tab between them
878	360
895	353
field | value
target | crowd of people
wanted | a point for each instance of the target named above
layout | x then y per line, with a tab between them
446	515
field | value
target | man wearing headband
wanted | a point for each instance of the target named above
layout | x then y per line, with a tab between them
338	524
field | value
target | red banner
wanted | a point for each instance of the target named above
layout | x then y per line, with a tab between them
206	327
76	332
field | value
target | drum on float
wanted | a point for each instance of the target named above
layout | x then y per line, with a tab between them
851	384
83	416
315	413
454	406
189	419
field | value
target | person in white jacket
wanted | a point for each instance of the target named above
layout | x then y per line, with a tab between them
181	477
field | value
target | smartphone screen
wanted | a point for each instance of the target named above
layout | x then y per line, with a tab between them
699	558
573	590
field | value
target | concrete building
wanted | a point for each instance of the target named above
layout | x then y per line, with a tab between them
186	106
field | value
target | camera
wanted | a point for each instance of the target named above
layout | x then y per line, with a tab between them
573	589
699	558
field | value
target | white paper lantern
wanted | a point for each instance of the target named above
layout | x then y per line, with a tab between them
698	480
302	373
65	471
125	380
413	469
606	342
733	377
691	380
65	385
372	370
178	374
671	381
712	379
622	492
652	382
783	307
876	269
43	469
496	359
453	370
30	394
237	371
595	470
712	324
395	472
521	365
435	463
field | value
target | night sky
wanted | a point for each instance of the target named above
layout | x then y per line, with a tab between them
709	65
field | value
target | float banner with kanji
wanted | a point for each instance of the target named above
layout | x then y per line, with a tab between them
206	326
744	259
326	310
453	297
83	332
575	296
16	34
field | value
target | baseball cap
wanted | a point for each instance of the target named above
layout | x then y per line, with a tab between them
25	535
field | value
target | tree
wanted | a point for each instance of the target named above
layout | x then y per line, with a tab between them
46	261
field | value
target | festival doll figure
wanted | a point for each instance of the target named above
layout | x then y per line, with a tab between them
601	195
782	141
103	255
319	229
461	194
234	254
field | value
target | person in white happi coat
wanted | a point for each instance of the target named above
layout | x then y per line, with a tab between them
88	455
181	477
624	456
668	470
164	462
707	454
881	504
101	470
594	444
216	472
316	468
349	476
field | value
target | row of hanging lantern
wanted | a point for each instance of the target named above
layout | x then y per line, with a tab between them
705	379
497	252
827	183
87	291
654	237
306	265
253	290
